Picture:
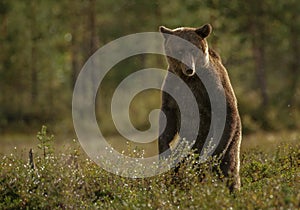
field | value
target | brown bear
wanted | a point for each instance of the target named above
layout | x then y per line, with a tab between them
206	60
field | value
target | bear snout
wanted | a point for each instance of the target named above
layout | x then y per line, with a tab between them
189	72
188	65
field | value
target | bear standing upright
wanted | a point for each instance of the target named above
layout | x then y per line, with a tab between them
206	60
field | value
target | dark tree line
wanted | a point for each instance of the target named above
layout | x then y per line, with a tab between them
44	44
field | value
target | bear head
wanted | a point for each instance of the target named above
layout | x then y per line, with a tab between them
187	58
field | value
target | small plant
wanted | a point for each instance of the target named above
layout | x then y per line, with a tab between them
45	141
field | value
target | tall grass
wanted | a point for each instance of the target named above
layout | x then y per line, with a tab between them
70	180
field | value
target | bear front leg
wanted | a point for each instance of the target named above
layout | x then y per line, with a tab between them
167	130
230	163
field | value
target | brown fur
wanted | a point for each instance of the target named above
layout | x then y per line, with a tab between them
229	147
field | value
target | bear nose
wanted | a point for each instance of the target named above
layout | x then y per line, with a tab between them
189	72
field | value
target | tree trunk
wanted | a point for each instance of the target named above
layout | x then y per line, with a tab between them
3	57
295	62
33	61
93	39
92	27
259	58
74	59
75	52
258	51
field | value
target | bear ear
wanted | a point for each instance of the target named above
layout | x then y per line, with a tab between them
164	30
204	31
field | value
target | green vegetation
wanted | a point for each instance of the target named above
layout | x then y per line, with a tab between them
70	180
44	45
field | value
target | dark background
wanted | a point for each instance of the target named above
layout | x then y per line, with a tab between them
44	45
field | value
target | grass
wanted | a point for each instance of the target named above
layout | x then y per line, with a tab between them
70	180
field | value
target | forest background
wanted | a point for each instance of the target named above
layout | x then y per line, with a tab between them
44	45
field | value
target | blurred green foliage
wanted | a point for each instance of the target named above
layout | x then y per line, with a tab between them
44	44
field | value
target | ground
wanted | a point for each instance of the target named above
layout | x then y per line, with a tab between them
66	178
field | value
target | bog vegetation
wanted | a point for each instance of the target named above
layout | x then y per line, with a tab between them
70	180
44	45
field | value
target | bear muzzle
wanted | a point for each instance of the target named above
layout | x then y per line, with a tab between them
189	70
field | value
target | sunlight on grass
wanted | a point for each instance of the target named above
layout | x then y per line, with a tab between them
67	179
